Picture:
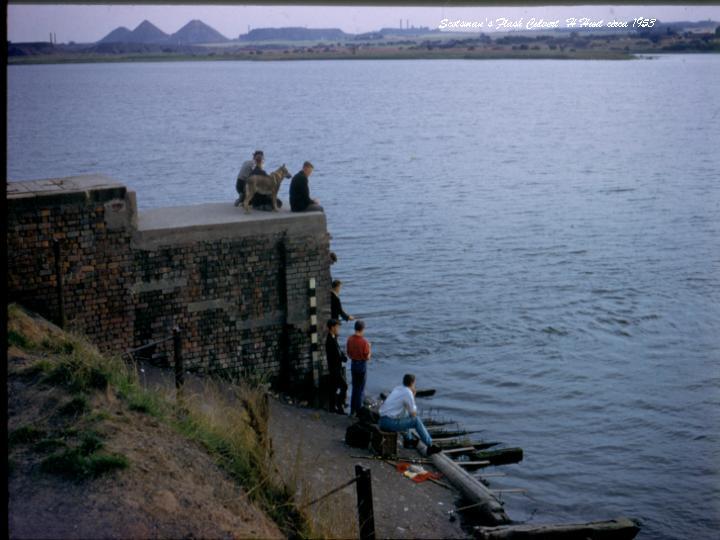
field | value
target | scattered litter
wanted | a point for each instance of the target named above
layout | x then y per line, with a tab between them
416	472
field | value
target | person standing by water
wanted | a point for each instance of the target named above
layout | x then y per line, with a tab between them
336	310
358	349
336	359
300	200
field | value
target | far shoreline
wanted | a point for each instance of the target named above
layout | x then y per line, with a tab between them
504	55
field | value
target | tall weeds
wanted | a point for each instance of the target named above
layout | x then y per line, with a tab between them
230	421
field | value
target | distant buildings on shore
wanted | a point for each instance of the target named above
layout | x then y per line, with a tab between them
197	32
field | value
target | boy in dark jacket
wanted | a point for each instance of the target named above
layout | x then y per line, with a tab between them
336	366
336	309
300	200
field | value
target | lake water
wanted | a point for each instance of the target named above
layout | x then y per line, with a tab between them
537	240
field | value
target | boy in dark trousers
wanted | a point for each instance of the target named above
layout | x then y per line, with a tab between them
358	349
336	359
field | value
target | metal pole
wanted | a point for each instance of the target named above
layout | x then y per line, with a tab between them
364	503
59	284
314	346
179	370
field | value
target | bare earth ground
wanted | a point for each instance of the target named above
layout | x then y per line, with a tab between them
312	442
172	488
310	451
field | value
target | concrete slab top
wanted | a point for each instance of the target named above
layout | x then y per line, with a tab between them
212	214
56	186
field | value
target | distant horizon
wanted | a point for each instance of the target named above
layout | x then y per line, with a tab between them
91	23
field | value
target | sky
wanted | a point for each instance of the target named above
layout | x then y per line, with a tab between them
86	24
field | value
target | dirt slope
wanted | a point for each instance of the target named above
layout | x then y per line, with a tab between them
171	488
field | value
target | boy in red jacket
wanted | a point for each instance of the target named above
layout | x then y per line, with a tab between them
358	349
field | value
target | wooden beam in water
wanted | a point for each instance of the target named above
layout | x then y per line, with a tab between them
458	443
502	456
471	488
427	392
437	422
615	529
473	463
449	438
484	445
463	450
449	433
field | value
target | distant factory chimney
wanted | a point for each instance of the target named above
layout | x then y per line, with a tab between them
50	37
54	38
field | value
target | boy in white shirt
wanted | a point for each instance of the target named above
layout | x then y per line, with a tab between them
399	413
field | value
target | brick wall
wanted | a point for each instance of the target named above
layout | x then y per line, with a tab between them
237	289
93	229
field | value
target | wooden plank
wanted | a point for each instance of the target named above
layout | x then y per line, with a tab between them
473	465
449	433
437	422
502	456
427	392
616	529
478	445
445	439
458	450
470	487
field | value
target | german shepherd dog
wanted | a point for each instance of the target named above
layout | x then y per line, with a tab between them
267	185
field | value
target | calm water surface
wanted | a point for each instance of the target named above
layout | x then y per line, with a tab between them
538	240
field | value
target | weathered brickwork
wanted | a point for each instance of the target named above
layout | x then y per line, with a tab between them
95	260
238	290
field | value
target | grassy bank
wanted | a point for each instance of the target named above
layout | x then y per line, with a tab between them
65	398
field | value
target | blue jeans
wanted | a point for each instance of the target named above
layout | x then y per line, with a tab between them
358	369
406	424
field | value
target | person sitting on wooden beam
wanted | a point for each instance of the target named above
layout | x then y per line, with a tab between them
399	413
